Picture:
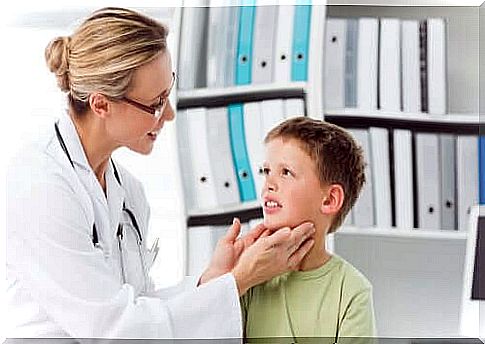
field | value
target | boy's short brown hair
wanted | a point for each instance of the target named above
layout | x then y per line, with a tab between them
338	158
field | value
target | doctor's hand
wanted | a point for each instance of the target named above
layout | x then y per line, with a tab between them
273	254
228	250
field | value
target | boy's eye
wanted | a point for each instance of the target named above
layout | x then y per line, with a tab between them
265	171
286	172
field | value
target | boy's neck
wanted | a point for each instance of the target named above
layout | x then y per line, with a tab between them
316	258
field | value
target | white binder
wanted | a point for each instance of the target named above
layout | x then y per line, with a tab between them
379	145
334	75
273	113
200	183
367	52
183	150
411	86
193	46
436	48
436	66
411	102
263	44
466	177
428	181
283	41
390	65
351	52
363	210
201	242
219	146
200	246
389	100
253	128
221	47
448	181
403	179
294	108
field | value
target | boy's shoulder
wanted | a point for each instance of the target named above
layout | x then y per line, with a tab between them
351	278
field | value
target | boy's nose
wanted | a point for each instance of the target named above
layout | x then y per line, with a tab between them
269	185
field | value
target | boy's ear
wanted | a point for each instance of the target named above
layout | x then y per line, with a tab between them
99	104
332	199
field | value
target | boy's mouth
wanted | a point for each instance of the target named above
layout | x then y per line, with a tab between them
271	204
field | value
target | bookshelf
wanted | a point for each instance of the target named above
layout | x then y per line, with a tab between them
216	97
384	242
465	124
417	283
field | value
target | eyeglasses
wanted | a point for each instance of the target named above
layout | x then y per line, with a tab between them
156	110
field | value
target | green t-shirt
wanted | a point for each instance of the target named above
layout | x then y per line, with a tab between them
333	301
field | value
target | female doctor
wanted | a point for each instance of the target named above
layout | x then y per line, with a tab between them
76	220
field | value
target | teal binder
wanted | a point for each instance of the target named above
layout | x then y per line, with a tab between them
240	156
245	42
301	40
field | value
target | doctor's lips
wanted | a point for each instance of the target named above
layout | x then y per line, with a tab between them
271	205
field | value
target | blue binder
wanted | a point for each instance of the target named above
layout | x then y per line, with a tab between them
301	39
245	42
240	156
481	168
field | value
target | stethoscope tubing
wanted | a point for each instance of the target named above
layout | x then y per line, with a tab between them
131	215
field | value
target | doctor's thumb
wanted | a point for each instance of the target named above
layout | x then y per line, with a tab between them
234	230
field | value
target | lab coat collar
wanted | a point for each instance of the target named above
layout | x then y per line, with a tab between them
73	142
113	202
81	165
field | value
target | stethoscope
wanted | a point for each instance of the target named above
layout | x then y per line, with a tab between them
119	233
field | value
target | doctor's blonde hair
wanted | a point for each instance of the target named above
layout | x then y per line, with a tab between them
102	54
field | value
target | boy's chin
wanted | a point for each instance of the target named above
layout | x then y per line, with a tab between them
273	225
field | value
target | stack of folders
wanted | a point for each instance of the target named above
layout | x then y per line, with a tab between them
247	44
222	150
425	180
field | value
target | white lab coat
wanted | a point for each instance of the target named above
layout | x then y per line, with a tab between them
60	285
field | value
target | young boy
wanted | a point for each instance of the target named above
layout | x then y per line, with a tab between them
314	172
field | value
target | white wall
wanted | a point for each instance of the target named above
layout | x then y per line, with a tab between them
30	100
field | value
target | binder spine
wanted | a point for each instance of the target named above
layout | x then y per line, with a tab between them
242	166
245	43
301	34
423	64
351	63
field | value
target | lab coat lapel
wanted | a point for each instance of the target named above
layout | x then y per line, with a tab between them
116	197
78	156
87	178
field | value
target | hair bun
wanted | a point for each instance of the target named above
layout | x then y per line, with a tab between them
57	59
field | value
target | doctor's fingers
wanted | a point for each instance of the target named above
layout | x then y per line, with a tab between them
296	258
254	234
233	231
289	239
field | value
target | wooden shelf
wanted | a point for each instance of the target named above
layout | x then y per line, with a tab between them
420	122
216	97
